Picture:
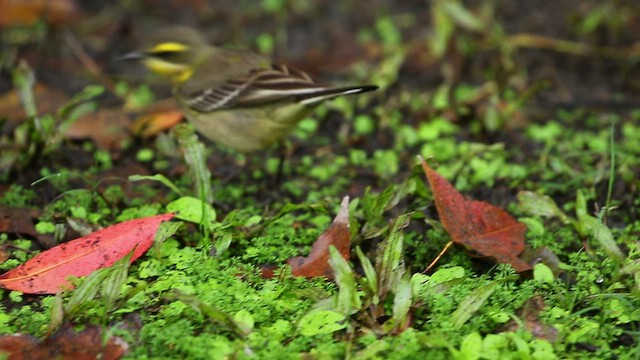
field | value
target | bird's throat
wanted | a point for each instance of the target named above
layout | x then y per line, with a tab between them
178	73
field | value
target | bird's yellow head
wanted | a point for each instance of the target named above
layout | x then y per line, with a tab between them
172	52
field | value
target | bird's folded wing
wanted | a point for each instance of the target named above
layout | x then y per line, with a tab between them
258	87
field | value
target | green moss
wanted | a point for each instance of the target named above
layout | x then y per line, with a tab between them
17	195
478	131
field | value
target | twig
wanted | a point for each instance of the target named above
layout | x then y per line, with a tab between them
572	47
88	62
433	263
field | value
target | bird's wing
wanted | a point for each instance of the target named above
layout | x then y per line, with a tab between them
256	87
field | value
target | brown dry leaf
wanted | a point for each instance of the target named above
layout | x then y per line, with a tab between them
530	315
58	12
20	221
317	263
16	220
152	123
4	254
47	100
107	128
480	226
16	343
542	255
65	344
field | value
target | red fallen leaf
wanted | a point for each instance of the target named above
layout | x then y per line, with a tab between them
317	263
64	344
478	225
47	272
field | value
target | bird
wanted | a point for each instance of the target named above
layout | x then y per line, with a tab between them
239	99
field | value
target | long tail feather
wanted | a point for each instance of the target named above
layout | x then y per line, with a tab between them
334	92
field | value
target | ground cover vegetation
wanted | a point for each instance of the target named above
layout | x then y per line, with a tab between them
481	204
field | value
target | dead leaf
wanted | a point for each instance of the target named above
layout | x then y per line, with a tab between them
47	99
530	316
480	226
65	344
4	254
47	272
21	221
59	12
317	263
14	343
151	124
15	220
542	255
107	128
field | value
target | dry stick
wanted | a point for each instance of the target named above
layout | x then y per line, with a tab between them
572	47
433	263
88	62
96	70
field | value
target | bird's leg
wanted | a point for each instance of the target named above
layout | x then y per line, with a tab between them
283	154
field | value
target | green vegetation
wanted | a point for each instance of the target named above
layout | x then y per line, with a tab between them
459	86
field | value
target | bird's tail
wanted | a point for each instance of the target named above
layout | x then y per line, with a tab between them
321	95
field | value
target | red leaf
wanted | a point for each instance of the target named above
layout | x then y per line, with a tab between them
478	225
64	344
47	272
317	263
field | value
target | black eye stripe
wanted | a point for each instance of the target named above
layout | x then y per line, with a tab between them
162	54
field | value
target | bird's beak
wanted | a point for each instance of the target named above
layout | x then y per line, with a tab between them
132	56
